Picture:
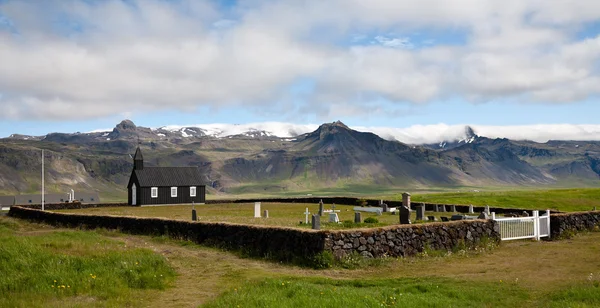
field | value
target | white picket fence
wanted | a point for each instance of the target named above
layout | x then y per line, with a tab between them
516	228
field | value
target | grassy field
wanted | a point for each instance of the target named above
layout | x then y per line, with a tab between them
567	200
280	214
43	267
515	274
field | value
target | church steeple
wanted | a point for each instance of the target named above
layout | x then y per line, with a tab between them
138	160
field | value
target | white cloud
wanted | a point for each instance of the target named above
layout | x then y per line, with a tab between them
153	55
416	134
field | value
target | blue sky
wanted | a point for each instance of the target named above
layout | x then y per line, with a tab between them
68	66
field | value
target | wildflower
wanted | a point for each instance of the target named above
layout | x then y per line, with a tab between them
54	280
136	263
283	283
53	286
68	286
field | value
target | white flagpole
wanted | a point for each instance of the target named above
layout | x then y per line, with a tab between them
42	180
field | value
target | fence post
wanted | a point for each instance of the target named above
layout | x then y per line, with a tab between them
493	215
536	225
548	223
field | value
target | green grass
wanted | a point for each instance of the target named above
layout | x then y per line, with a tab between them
280	214
405	292
76	267
568	200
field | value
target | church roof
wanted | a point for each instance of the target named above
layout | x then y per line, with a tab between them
169	176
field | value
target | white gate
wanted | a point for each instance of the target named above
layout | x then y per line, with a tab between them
516	228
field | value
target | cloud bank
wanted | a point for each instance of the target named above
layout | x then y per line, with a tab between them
113	57
417	134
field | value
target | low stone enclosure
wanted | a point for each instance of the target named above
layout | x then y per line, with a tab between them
301	245
326	200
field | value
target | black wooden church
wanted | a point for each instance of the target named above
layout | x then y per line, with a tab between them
164	185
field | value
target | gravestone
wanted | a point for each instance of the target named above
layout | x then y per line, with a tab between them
384	207
458	217
431	218
443	208
256	209
333	217
404	215
471	209
406	200
194	215
316	222
321	207
306	213
525	214
266	214
436	208
487	209
453	208
357	218
483	215
421	212
378	212
594	208
444	218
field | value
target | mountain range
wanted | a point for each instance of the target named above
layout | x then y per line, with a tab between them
248	160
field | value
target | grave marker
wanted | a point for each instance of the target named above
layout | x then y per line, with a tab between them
256	209
483	215
421	212
266	214
306	213
431	218
453	208
316	222
487	209
333	217
321	207
406	200
357	218
404	215
443	208
384	207
471	209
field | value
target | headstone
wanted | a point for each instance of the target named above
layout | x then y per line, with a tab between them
316	222
431	218
384	208
487	209
333	207
378	212
457	217
404	215
443	208
453	208
435	208
333	217
483	215
594	208
444	218
321	208
471	209
406	200
194	215
357	218
525	214
256	209
266	214
306	213
421	212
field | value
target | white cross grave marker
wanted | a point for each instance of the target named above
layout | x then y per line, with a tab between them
306	213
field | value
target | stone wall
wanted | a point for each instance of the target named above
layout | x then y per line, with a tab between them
565	224
407	240
71	206
285	244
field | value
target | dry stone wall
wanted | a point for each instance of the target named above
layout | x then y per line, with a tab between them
568	223
286	244
407	240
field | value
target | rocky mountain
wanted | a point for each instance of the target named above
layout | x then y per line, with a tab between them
256	160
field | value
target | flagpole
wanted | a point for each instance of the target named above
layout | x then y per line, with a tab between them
42	180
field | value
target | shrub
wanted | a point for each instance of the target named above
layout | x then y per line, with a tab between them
323	260
371	220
